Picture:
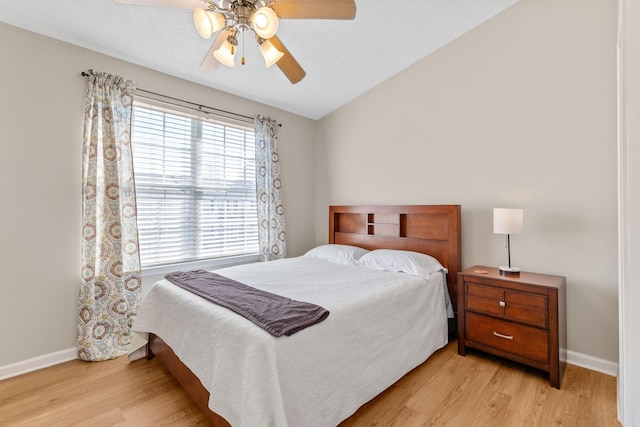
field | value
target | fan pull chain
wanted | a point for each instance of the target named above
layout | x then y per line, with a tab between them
243	48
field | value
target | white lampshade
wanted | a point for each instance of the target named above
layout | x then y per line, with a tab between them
208	22
264	22
270	53
225	54
508	221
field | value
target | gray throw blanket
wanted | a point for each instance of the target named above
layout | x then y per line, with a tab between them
275	314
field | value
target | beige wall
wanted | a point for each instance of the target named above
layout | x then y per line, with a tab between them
519	112
41	109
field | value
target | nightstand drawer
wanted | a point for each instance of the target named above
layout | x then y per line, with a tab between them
526	307
523	307
526	341
484	299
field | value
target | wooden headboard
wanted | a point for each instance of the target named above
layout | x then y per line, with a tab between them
429	229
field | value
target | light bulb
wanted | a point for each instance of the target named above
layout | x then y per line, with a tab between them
208	22
270	53
264	22
225	54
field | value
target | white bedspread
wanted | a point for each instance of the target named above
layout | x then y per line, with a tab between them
381	326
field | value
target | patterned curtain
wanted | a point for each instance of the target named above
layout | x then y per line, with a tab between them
110	282
269	191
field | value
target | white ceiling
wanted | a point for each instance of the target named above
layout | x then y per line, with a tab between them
343	59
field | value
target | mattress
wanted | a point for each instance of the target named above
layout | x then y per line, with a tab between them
381	325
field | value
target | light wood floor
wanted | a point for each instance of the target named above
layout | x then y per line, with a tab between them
447	390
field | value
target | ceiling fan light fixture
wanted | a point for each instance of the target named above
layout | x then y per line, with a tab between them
208	22
264	22
226	54
270	53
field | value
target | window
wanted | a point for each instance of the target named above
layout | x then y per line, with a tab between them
195	185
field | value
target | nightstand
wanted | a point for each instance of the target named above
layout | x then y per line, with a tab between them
520	317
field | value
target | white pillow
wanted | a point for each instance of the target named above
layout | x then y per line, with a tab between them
340	254
413	263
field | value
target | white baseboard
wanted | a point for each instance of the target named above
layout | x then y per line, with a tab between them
593	363
39	362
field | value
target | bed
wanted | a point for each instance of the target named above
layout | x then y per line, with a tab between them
381	325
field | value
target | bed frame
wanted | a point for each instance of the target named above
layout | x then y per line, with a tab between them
430	229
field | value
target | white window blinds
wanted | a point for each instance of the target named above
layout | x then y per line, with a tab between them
195	185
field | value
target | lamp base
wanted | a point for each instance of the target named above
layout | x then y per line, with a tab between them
509	270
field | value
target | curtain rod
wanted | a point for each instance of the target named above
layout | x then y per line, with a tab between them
200	106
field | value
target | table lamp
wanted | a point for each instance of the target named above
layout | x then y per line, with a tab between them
508	221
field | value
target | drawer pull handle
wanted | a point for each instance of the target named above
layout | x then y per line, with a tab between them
503	304
506	337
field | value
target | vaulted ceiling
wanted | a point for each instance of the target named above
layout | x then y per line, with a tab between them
343	59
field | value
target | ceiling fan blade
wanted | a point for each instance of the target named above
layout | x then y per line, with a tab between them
183	4
288	64
314	9
210	63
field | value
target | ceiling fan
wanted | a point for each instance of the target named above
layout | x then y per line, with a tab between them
231	18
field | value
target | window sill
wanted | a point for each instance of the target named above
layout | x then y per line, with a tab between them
206	264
